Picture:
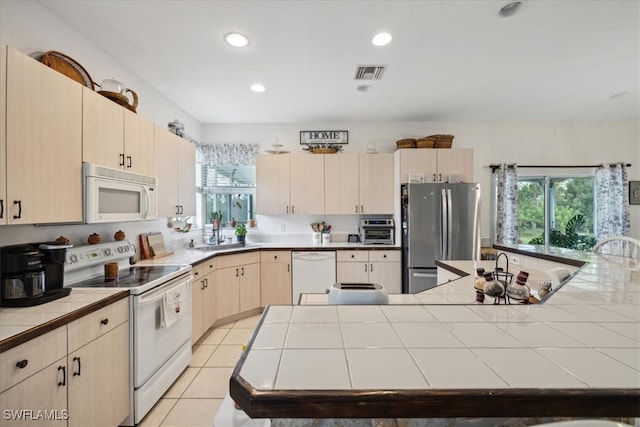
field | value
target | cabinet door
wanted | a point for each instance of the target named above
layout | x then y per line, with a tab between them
418	161
249	287
99	380
387	274
186	177
307	183
272	184
45	390
138	144
376	183
102	130
275	278
226	292
165	166
455	162
352	272
341	184
197	304
3	134
44	143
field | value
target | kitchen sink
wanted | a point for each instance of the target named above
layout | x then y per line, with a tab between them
227	246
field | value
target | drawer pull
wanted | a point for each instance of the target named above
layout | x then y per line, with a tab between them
384	256
64	376
77	359
22	364
19	203
104	321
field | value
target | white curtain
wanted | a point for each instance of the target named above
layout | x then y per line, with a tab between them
227	154
612	201
507	230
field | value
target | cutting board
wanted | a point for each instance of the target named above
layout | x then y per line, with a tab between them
156	244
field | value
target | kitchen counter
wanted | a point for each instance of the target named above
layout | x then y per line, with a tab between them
575	355
21	324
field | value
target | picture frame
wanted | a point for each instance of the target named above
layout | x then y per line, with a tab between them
324	137
634	192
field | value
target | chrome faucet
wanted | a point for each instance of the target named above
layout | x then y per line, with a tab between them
215	238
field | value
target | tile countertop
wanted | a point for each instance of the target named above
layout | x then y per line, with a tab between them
20	324
578	354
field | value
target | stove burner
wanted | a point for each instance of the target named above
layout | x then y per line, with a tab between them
129	277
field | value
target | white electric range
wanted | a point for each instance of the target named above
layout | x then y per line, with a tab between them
158	353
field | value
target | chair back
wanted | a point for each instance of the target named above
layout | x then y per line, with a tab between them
623	246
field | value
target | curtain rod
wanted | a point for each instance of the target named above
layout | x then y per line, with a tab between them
494	167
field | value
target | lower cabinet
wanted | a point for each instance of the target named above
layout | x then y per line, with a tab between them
202	305
89	386
379	266
236	284
275	277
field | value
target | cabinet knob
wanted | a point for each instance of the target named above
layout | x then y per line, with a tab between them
384	256
353	256
275	257
22	364
105	321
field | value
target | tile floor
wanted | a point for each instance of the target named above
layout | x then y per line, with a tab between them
195	397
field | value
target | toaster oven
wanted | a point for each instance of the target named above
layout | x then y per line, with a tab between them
377	231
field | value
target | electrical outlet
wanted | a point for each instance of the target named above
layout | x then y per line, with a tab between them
515	260
283	228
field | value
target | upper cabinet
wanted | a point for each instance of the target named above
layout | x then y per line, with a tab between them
43	163
358	183
174	162
114	136
3	135
290	184
434	165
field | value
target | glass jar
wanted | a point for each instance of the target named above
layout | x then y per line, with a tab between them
520	289
479	282
492	287
544	289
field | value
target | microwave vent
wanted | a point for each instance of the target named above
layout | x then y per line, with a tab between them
369	72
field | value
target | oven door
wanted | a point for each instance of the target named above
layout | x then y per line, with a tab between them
153	343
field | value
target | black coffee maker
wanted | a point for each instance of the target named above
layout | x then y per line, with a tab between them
32	274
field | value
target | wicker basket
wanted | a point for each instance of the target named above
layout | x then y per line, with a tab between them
406	143
426	142
443	141
323	150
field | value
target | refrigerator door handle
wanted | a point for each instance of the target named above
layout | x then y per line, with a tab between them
449	224
443	225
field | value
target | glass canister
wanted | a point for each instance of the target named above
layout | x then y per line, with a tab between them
479	282
519	290
492	287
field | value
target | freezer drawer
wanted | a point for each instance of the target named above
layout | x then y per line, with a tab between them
421	279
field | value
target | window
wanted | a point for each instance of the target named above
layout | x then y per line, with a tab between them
227	189
558	210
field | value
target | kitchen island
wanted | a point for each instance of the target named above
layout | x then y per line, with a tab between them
575	355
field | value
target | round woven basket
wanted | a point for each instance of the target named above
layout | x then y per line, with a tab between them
406	143
426	142
323	150
443	141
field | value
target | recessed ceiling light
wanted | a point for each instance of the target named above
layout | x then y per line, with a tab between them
364	88
257	87
511	8
381	39
236	40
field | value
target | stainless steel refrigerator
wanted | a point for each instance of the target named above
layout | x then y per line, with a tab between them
440	221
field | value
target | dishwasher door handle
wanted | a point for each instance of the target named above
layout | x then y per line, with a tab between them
313	256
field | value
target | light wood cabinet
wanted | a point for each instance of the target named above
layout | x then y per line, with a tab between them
379	266
72	371
290	184
435	165
226	292
358	183
43	163
175	163
3	134
275	277
197	302
249	287
236	286
115	137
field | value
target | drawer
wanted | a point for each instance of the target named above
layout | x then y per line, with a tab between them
356	256
92	326
38	353
200	270
275	256
382	256
224	261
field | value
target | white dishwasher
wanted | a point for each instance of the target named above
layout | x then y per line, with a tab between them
313	272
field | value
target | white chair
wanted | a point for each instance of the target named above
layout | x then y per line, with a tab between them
623	246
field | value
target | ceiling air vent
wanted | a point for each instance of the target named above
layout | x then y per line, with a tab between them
369	72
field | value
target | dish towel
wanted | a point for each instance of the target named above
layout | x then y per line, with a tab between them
174	305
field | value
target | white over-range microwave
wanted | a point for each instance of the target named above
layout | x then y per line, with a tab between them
113	195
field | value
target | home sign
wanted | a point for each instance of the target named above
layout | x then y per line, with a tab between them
324	137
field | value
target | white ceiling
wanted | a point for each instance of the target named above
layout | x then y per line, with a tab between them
449	60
